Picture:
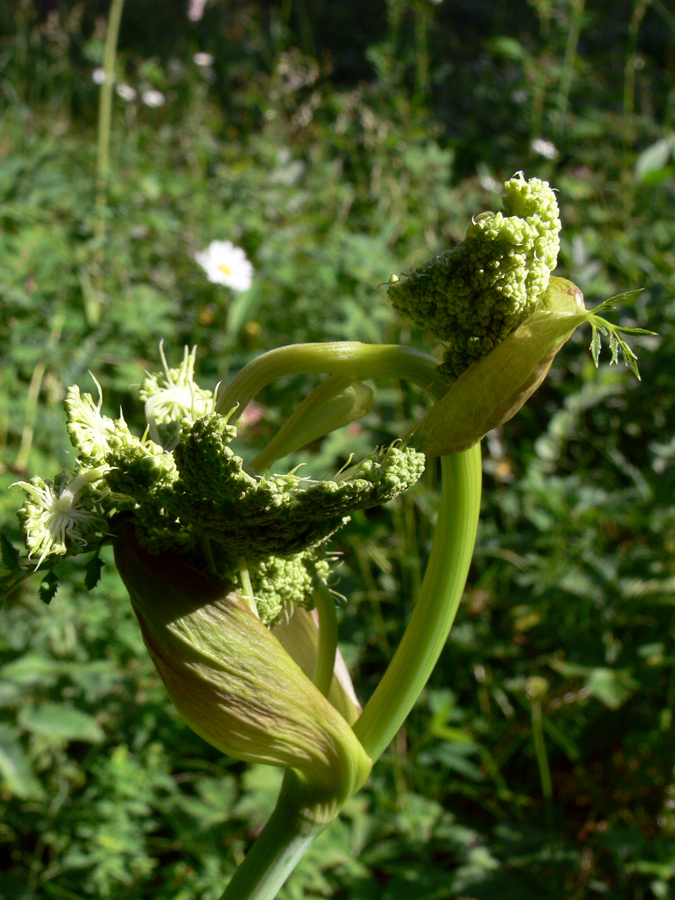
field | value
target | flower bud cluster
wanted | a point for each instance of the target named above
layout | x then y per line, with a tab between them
473	296
183	483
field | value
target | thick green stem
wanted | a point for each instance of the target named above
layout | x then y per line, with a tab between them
436	605
292	828
276	852
355	360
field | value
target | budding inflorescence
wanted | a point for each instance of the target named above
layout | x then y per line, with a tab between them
188	492
473	296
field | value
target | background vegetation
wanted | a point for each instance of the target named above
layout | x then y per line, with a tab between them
338	143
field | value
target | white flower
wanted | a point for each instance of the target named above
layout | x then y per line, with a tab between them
60	514
203	59
226	264
98	76
126	92
90	432
547	149
153	98
174	395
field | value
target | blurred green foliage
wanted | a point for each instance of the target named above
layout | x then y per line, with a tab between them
539	761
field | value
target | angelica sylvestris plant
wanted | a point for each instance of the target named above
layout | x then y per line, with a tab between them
229	563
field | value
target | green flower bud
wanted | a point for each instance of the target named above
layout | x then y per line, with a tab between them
232	680
473	296
492	390
89	430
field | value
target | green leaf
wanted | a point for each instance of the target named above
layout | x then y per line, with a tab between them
48	587
596	346
614	347
653	160
16	774
92	572
32	669
10	555
61	723
616	342
611	686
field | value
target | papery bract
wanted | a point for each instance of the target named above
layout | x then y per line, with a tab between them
231	679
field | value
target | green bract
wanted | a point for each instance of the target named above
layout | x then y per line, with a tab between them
473	296
231	679
493	389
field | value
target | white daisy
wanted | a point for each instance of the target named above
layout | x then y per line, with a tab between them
226	264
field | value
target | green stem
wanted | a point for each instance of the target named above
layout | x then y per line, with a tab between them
292	827
540	751
34	393
247	587
436	606
105	113
569	63
294	433
93	304
350	358
328	635
277	850
205	545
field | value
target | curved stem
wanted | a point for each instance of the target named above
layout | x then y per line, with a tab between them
295	433
293	826
436	607
350	358
276	852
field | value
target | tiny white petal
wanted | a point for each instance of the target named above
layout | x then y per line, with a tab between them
196	10
98	76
